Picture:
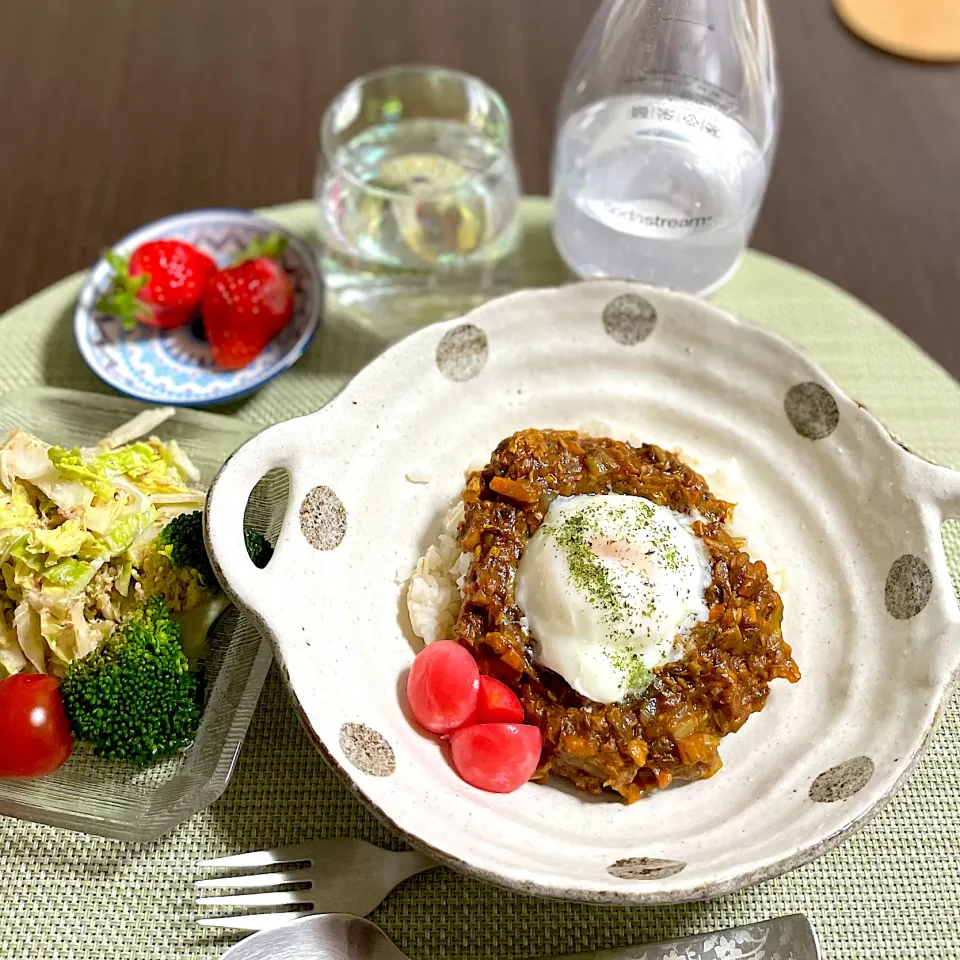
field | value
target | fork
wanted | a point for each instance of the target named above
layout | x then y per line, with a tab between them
334	876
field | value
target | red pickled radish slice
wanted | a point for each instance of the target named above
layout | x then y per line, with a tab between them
443	686
497	703
498	757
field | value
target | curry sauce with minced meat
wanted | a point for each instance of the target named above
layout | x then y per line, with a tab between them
672	730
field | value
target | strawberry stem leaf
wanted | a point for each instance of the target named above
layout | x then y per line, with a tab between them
120	300
270	246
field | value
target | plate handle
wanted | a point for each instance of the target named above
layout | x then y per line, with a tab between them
946	490
227	500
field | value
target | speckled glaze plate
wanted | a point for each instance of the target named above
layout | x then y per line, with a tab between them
850	519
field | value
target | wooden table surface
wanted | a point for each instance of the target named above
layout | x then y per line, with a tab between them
114	112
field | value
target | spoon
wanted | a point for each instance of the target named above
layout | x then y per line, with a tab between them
340	936
324	936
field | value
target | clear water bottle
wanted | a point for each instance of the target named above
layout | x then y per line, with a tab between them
665	140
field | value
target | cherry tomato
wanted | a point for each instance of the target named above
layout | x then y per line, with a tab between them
34	734
442	686
496	703
498	757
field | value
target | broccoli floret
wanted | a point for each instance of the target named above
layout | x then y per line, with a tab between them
184	537
258	546
177	569
134	697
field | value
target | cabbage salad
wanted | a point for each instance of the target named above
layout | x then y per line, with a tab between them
75	526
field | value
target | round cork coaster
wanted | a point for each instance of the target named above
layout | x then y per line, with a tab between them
918	29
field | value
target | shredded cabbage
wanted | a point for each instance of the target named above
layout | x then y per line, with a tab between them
124	532
142	424
62	541
72	575
176	457
71	466
26	621
23	456
12	659
74	525
16	508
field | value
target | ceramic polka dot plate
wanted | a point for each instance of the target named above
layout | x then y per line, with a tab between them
175	366
847	518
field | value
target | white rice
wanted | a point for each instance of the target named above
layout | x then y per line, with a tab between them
435	588
418	475
434	591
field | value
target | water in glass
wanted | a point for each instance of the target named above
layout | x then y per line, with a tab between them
416	173
419	193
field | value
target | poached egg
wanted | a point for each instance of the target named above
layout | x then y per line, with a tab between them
610	586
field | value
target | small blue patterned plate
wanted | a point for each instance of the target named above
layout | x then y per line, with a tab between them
175	366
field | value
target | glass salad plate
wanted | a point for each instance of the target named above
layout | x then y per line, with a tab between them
118	800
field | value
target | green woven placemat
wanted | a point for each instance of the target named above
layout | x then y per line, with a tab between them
892	891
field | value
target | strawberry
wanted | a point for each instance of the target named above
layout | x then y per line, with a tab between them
245	306
160	285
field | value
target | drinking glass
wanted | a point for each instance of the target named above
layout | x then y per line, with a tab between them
415	176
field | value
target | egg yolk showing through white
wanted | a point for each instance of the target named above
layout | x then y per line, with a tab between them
610	586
